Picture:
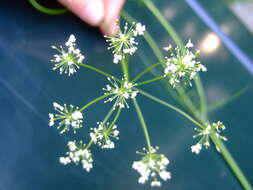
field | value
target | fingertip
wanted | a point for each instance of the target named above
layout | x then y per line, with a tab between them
110	29
112	12
92	12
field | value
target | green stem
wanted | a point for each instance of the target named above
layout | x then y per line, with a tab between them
231	162
150	81
146	70
124	65
115	119
108	115
45	10
171	107
137	108
201	93
186	102
170	30
94	101
143	124
164	23
89	144
99	71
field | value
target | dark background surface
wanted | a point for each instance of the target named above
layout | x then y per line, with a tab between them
28	86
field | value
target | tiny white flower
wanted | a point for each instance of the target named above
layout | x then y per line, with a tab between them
72	39
72	145
77	115
207	130
165	161
51	119
139	29
206	144
168	47
155	183
115	132
87	165
189	44
203	68
196	148
117	58
165	175
143	179
68	117
67	61
64	160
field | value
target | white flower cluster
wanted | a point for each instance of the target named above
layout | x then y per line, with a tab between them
102	134
124	42
69	117
214	128
67	61
120	92
152	165
78	153
182	66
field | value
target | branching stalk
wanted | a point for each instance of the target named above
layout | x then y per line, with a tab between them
124	65
115	118
94	101
99	71
143	123
150	81
171	107
146	71
231	163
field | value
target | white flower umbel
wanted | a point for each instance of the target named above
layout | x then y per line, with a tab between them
69	117
181	66
152	166
205	133
103	133
67	61
120	92
123	43
78	153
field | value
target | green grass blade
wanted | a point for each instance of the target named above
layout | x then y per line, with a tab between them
220	103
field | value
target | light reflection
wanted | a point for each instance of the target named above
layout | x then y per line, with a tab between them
210	43
225	29
169	12
216	92
189	28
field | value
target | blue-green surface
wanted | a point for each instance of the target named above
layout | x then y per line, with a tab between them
30	148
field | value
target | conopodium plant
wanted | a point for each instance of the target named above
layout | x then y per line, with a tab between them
181	71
